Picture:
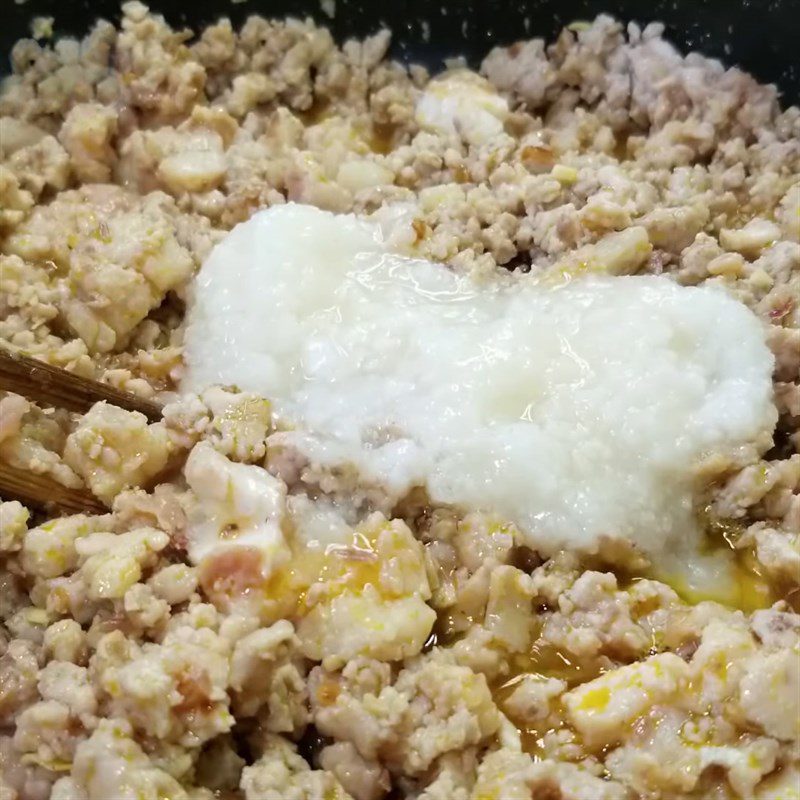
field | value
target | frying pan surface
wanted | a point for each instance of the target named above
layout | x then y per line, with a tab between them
761	36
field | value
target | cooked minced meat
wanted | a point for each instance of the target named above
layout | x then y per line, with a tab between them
429	654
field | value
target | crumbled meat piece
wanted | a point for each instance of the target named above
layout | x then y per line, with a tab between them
113	449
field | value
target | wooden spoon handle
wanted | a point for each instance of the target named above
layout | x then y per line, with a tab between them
57	387
45	493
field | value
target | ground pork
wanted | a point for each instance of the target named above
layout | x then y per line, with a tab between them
245	624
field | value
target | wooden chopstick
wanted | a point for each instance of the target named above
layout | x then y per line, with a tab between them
45	493
59	388
56	387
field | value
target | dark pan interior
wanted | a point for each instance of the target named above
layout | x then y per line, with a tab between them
762	36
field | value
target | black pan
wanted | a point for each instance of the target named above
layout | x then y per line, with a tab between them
761	36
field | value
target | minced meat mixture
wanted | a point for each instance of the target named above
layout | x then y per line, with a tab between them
430	655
